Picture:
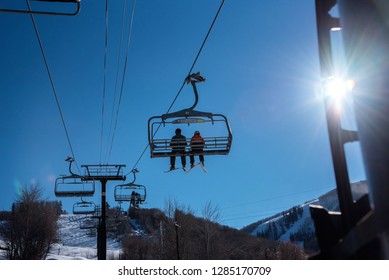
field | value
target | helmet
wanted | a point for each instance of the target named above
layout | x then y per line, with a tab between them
197	132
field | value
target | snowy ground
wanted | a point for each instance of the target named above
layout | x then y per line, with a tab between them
328	200
78	244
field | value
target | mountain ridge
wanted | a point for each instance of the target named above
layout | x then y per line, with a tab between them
295	224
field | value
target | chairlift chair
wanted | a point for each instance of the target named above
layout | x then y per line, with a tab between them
84	208
214	145
131	192
47	7
125	193
88	223
73	186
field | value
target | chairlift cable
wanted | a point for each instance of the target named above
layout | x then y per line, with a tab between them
183	84
272	198
52	84
206	38
240	217
105	77
123	76
197	56
117	71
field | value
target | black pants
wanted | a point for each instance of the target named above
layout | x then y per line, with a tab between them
173	160
201	157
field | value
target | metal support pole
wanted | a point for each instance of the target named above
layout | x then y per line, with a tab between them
366	38
176	225
102	232
177	241
324	25
365	33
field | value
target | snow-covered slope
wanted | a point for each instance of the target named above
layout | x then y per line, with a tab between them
296	224
76	243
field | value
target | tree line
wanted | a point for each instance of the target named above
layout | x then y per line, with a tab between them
178	234
30	230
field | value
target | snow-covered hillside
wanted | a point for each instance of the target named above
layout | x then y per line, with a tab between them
76	243
296	224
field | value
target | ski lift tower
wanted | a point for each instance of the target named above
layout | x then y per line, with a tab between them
103	173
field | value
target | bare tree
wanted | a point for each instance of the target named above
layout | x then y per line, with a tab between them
32	228
177	231
211	213
208	228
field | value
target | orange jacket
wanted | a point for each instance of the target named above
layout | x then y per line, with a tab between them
197	142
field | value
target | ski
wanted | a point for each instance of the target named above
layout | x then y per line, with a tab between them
201	165
203	168
170	170
190	169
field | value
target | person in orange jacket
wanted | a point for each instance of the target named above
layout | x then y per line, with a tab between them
197	144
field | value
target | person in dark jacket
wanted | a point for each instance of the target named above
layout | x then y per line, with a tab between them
197	145
134	201
178	144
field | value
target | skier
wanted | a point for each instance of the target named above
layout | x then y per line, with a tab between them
197	145
178	144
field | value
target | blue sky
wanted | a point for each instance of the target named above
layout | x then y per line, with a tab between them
262	69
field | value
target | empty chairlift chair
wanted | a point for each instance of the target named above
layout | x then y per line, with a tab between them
73	186
88	222
84	208
42	7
